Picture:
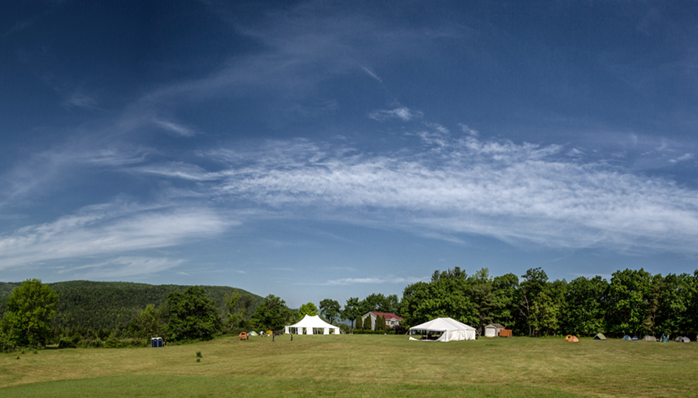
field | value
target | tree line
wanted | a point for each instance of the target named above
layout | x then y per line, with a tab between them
96	314
633	302
185	315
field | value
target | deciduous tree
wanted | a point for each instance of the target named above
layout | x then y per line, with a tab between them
272	313
307	309
330	309
351	310
30	308
192	315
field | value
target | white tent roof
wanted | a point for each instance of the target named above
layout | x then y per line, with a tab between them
450	329
312	322
442	324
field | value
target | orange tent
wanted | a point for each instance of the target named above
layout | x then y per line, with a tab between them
573	339
243	336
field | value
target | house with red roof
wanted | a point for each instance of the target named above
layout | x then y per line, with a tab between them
391	320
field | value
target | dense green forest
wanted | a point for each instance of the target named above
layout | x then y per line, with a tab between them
108	305
633	302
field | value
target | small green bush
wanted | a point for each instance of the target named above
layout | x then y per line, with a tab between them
5	345
66	343
113	342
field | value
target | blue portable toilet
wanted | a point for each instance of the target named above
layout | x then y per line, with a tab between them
156	342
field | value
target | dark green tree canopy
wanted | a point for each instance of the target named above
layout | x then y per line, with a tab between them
272	314
192	315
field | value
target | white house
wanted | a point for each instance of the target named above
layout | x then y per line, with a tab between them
391	320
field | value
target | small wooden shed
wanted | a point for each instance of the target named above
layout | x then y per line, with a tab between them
492	330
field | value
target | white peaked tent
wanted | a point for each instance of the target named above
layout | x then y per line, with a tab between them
448	328
308	323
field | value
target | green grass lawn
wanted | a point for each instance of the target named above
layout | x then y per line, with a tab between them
360	365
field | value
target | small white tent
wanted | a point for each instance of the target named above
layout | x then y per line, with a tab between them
447	329
308	323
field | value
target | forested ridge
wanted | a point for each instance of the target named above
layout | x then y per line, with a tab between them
108	305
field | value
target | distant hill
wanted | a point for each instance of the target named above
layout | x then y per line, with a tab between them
105	305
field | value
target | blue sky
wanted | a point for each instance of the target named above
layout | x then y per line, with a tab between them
322	149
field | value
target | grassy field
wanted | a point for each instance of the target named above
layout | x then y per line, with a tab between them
360	365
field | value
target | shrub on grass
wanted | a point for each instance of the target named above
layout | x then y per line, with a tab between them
5	345
113	342
66	343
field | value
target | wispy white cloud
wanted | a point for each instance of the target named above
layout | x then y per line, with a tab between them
79	99
122	267
375	280
112	228
294	53
468	130
48	170
687	156
175	128
371	73
438	127
519	193
402	113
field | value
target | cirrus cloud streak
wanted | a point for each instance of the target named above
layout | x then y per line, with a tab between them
519	193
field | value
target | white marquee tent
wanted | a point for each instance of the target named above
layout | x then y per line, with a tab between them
447	329
308	323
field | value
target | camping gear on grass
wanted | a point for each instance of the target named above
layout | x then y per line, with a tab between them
573	339
685	339
252	333
635	338
242	336
568	337
599	336
626	337
443	329
650	338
